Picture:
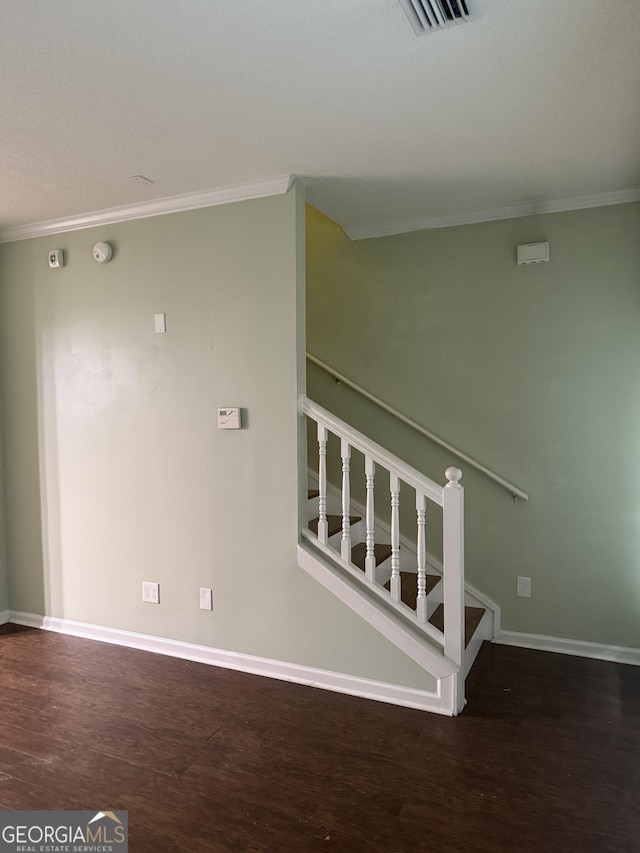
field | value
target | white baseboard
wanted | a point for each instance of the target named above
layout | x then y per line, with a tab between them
299	674
564	646
4	617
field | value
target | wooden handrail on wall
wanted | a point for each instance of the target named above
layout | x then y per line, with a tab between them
513	489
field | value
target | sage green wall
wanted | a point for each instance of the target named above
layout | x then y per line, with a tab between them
4	592
115	471
532	370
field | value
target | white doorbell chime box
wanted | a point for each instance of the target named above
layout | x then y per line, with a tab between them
533	253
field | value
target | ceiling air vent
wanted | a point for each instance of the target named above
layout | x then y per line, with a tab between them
429	15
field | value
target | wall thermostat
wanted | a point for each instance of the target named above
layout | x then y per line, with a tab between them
228	418
56	259
102	252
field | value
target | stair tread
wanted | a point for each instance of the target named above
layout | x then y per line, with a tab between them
334	523
409	587
472	618
312	493
359	552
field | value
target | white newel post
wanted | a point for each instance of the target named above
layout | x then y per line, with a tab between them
370	521
322	484
345	542
453	564
421	551
394	488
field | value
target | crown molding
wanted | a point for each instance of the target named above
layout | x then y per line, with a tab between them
156	207
281	185
509	211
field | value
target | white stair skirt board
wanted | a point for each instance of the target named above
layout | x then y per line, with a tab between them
360	596
363	600
440	702
4	617
565	646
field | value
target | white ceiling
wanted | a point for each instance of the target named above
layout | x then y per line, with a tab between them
531	99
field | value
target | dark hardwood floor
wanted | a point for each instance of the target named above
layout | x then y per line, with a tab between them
546	756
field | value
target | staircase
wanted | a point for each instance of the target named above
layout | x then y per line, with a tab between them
421	604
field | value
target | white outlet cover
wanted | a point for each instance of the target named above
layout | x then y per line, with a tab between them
150	592
523	587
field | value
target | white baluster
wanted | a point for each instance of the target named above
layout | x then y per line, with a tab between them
453	564
394	488
370	558
421	605
323	528
345	542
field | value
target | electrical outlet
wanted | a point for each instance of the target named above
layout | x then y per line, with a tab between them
523	587
206	598
151	592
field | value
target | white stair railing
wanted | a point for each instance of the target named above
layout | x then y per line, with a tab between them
345	541
322	478
450	497
394	488
370	558
421	554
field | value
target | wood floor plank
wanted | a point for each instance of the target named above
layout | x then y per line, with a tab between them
545	757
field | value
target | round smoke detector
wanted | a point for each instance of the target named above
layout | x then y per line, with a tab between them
102	252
